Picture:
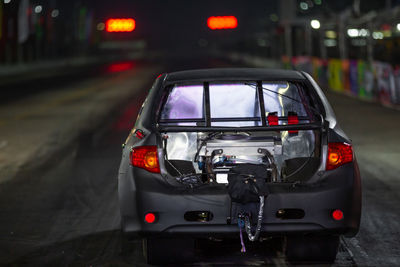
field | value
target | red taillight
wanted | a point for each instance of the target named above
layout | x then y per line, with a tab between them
337	215
338	154
273	119
120	25
293	119
150	217
145	157
119	67
222	22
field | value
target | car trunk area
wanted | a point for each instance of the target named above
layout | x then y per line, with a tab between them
201	157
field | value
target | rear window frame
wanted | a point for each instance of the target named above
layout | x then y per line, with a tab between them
303	86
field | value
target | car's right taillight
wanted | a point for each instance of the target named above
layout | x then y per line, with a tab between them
338	154
145	157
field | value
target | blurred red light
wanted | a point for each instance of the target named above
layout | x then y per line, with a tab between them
120	25
338	154
386	27
145	157
139	134
150	218
222	22
118	67
337	215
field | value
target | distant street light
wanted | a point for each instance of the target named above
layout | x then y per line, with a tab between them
352	32
398	27
55	13
377	35
101	26
273	17
331	34
363	32
303	6
315	24
38	9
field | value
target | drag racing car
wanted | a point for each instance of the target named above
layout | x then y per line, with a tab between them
229	153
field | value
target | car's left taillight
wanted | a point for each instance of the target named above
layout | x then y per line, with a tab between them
145	157
338	154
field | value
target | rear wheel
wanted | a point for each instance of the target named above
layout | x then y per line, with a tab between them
126	245
303	249
168	250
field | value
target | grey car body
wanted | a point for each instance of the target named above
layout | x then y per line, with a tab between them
142	192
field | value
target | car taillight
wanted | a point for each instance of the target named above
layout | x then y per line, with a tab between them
338	154
293	119
145	157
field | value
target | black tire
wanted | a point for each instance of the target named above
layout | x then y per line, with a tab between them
126	246
311	249
168	250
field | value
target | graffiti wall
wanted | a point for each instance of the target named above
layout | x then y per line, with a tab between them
378	81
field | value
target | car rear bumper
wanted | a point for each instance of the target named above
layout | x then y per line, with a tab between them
338	189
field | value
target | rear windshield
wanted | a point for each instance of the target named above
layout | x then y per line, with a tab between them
233	104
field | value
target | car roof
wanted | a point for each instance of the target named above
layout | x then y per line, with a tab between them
228	74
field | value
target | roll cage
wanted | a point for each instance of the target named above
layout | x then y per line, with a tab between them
204	124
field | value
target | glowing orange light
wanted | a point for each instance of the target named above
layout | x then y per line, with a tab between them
334	158
120	25
150	160
338	154
222	22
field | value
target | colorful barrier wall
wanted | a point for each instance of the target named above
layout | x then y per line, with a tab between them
378	81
